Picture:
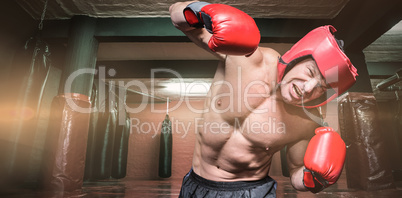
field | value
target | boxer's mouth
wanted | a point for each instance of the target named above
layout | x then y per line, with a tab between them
297	91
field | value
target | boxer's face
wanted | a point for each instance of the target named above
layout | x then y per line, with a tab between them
305	81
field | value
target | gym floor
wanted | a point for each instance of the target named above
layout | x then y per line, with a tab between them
171	188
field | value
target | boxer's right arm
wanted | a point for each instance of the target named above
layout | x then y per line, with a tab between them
227	30
200	36
177	16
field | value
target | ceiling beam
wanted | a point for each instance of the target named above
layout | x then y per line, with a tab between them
162	30
361	22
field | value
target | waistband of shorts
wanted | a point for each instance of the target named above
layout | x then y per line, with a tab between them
228	185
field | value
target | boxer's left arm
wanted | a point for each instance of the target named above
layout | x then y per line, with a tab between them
317	163
324	159
295	155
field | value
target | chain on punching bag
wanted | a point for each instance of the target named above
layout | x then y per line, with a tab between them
165	150
38	72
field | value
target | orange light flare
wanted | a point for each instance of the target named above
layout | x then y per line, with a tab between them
10	114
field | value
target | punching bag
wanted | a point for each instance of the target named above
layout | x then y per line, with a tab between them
91	134
35	59
64	157
103	144
367	166
32	87
165	150
120	153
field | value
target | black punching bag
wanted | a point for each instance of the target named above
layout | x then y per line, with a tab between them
165	150
91	134
120	152
104	139
35	63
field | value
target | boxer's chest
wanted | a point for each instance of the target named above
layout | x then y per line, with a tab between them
268	126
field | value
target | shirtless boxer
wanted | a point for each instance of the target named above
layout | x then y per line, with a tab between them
257	103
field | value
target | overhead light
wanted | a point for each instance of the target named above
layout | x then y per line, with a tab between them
163	88
183	89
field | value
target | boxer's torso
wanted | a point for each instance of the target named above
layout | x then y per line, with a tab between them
245	123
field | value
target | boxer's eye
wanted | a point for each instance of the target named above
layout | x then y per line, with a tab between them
311	72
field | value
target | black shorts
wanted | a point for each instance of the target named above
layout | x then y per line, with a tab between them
195	186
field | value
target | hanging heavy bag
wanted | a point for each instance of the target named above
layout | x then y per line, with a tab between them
104	141
35	59
91	134
120	150
165	151
120	154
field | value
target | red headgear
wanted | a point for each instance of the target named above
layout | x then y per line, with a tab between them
321	45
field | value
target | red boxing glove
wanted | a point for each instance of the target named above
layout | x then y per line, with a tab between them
323	159
233	31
